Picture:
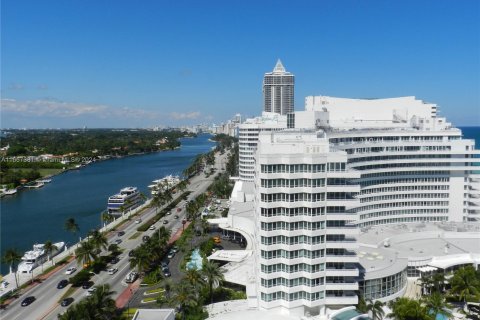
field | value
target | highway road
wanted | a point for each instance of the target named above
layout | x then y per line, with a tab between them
46	305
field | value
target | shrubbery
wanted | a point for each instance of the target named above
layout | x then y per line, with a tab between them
80	278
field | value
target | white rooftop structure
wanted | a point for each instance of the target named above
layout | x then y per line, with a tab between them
154	314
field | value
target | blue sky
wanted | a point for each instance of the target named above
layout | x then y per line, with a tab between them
143	63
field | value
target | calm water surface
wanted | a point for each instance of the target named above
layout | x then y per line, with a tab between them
34	216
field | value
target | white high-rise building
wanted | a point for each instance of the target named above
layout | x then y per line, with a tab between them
248	136
278	90
305	235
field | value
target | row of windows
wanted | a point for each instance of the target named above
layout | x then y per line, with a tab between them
296	168
403	204
348	140
300	295
404	173
410	165
299	225
398	157
299	267
383	287
292	240
294	254
292	197
404	188
398	149
302	281
292	183
404	196
403	220
403	212
292	212
404	180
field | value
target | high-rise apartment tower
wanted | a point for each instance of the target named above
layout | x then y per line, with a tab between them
278	90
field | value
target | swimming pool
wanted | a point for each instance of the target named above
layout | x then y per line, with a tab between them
196	261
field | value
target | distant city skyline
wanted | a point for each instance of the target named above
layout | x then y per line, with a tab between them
163	63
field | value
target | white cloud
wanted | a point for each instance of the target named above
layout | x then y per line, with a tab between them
61	109
185	115
16	86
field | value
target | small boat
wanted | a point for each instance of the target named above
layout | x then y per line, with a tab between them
34	185
8	192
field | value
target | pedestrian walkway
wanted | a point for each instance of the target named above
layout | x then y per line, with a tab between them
413	290
127	294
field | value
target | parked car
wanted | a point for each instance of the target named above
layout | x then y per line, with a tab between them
131	253
174	249
62	284
27	301
170	255
131	277
66	302
120	233
118	241
91	291
114	260
87	284
169	213
164	264
165	221
176	217
167	273
70	270
152	227
145	238
112	270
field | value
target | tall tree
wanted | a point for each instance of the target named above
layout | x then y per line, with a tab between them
213	276
376	308
141	259
101	301
98	240
12	257
436	304
107	218
185	297
49	247
86	253
465	283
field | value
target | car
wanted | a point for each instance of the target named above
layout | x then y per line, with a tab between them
118	241
62	284
138	221
165	221
167	273
164	264
145	238
66	302
174	249
87	284
114	260
131	253
176	217
120	233
152	228
70	270
170	255
27	301
179	209
165	269
169	213
131	277
91	291
112	270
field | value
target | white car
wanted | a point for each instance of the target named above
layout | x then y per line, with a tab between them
112	270
152	228
71	270
91	291
138	220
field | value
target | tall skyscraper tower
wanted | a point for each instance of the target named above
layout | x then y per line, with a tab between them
278	90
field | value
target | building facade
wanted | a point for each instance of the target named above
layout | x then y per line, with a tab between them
278	90
248	138
305	236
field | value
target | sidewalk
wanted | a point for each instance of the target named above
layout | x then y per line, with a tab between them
127	294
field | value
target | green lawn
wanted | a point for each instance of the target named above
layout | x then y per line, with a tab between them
128	313
135	235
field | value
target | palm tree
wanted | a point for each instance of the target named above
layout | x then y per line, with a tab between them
465	283
194	277
362	304
438	281
141	259
71	226
436	304
185	297
427	283
107	218
213	276
376	308
12	257
98	240
102	302
114	249
164	235
86	253
49	247
407	309
182	186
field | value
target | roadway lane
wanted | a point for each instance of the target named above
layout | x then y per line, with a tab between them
46	306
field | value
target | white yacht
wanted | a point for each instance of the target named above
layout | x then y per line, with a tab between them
128	198
33	258
160	185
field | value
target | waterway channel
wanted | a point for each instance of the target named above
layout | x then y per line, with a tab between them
37	215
